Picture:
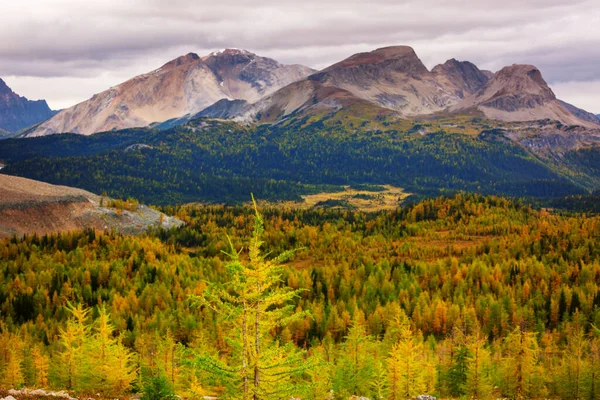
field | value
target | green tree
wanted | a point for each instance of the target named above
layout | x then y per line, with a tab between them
354	370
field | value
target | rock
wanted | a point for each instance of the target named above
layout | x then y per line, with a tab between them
426	397
9	397
137	146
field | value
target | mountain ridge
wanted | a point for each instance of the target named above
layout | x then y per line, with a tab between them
520	93
237	84
17	112
185	85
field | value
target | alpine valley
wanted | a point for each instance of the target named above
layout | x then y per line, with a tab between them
372	230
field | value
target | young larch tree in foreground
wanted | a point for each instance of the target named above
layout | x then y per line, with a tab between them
253	303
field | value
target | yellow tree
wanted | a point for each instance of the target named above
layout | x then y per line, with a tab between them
405	366
40	367
479	384
13	360
75	360
167	358
114	372
520	370
593	373
253	302
355	370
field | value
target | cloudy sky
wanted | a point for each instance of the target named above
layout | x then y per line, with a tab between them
64	51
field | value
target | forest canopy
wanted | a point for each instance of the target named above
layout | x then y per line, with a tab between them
466	296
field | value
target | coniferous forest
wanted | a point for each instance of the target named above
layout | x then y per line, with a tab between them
461	297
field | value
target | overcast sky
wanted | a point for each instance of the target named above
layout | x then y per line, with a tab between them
65	51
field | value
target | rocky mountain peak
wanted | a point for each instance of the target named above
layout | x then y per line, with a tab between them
186	59
463	74
394	58
522	81
17	112
4	89
182	87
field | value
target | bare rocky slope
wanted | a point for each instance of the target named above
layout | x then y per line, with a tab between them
28	206
183	86
394	78
520	93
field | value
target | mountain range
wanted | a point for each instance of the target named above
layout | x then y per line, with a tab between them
248	88
17	112
185	85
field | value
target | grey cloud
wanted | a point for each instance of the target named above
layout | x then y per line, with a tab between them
71	38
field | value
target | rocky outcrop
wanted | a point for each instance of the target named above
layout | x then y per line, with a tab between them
36	393
181	87
17	112
463	75
223	109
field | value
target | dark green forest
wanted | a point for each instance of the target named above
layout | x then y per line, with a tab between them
216	161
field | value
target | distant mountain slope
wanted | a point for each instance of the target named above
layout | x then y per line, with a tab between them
17	112
307	97
28	206
395	78
579	113
183	86
519	93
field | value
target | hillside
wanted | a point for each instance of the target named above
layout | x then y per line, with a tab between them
28	206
